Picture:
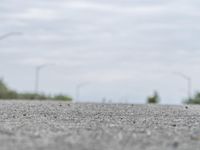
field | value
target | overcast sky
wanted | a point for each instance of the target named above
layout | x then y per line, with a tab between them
122	49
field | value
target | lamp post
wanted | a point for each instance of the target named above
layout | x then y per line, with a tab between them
37	76
4	36
189	83
78	88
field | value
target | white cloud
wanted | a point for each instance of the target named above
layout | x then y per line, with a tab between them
37	13
113	8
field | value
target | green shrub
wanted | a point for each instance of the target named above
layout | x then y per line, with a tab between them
153	99
62	97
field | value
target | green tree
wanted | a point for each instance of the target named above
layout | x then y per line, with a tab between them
193	100
154	99
5	92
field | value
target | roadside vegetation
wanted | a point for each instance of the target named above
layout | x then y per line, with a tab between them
193	100
7	93
154	99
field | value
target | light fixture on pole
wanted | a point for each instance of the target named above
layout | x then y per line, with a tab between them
4	36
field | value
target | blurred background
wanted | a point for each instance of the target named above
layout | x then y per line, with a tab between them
99	50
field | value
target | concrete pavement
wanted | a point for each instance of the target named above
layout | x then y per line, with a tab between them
35	125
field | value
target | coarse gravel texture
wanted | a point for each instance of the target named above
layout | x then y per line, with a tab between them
47	125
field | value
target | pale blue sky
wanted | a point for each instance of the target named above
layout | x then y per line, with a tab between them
124	49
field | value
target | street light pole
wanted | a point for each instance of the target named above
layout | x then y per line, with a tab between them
37	71
78	88
4	36
37	76
189	83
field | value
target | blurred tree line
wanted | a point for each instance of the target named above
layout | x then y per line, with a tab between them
7	93
155	99
193	100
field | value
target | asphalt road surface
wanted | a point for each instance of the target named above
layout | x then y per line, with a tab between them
48	125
